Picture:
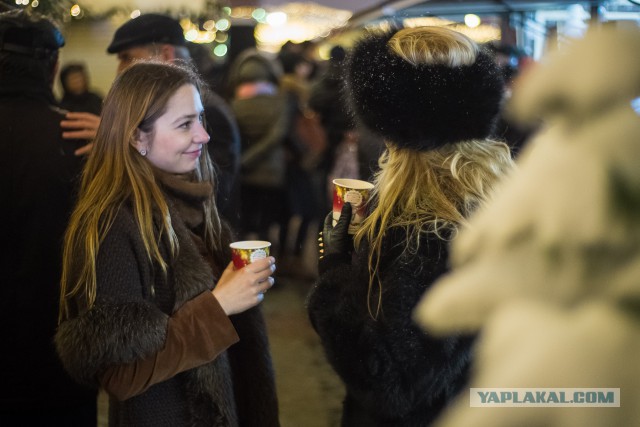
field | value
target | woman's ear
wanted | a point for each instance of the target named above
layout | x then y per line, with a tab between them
143	140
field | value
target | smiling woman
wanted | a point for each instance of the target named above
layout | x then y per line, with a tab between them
175	143
147	285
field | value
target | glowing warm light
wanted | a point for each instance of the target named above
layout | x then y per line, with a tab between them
259	14
295	33
227	10
223	24
471	20
222	37
481	34
277	19
135	14
220	50
304	21
205	37
75	10
426	21
243	12
191	35
383	26
35	3
186	24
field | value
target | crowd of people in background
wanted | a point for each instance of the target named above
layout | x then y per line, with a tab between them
119	213
283	132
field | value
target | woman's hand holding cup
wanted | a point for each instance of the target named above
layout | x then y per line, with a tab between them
240	289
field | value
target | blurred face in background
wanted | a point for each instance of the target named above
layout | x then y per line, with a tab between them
176	142
303	70
76	83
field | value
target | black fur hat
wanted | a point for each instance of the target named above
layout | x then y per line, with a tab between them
421	107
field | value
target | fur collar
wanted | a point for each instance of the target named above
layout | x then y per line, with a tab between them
188	195
209	386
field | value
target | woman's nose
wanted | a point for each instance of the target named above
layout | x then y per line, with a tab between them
201	136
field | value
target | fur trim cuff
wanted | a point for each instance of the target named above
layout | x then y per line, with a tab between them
109	334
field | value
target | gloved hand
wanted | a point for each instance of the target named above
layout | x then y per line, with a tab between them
336	240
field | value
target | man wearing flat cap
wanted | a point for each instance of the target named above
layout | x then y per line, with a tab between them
160	37
38	171
148	36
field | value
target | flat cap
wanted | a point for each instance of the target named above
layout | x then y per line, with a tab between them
145	29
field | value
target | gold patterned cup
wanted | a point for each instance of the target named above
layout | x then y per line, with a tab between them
247	251
355	192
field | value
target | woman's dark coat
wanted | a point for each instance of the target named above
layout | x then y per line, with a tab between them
395	374
129	320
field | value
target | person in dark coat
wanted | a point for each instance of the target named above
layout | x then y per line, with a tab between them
160	37
76	94
38	172
152	308
265	118
433	95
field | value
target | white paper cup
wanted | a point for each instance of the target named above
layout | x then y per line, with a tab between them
248	251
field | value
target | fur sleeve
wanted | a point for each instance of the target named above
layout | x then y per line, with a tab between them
123	324
109	334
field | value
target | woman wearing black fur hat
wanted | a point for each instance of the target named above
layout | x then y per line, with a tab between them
433	95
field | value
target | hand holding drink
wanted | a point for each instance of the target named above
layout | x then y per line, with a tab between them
357	193
246	278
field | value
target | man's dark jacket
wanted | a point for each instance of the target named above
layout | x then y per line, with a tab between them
38	177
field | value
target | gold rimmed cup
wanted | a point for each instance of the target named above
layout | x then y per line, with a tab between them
247	251
357	193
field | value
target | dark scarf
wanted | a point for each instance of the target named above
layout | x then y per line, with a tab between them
187	194
188	197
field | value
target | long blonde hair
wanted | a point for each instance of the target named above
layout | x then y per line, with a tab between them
116	173
429	191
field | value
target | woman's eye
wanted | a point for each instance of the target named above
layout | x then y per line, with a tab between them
185	125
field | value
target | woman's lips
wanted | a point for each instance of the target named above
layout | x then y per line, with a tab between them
194	154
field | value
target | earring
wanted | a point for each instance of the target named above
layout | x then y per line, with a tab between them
143	152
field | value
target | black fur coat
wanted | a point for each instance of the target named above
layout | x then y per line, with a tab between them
395	374
129	321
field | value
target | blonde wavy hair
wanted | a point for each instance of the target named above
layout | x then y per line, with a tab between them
116	173
431	191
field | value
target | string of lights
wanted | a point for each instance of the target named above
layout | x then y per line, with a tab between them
206	21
